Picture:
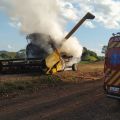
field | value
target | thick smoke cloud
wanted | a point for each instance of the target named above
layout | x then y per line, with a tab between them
35	16
41	16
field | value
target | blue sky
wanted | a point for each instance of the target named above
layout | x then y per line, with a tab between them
94	38
93	35
10	37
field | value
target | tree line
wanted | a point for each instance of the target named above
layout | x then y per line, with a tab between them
87	55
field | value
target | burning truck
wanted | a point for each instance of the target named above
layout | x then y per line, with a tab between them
38	58
46	47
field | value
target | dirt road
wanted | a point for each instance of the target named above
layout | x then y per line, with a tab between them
84	101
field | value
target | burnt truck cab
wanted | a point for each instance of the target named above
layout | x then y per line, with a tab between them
112	67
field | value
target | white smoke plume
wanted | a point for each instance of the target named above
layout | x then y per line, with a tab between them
42	16
35	15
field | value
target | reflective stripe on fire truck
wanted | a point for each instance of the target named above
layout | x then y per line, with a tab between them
107	75
118	45
115	78
113	45
117	82
112	77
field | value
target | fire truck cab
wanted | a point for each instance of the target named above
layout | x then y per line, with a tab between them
112	67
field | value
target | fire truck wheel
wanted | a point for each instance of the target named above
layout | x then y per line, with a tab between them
75	67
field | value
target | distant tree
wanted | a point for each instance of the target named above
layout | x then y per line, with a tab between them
88	55
4	56
104	49
84	54
21	54
101	58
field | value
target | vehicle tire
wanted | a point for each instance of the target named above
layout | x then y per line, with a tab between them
75	67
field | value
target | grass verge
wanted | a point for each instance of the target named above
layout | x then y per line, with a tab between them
29	85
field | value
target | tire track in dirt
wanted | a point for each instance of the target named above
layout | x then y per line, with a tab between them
48	92
63	108
37	107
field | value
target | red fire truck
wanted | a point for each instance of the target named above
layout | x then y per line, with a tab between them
112	67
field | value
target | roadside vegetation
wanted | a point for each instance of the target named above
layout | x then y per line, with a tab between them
87	56
12	55
90	56
18	86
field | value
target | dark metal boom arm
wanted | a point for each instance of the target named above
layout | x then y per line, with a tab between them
87	16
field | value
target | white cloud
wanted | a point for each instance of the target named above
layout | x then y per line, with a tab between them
90	24
12	24
10	47
68	10
101	45
106	12
15	25
98	51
